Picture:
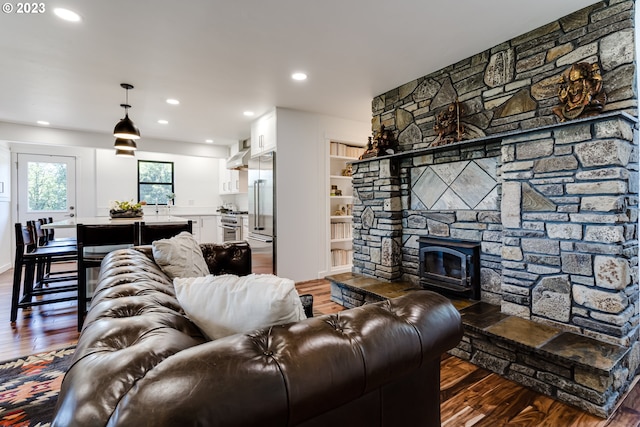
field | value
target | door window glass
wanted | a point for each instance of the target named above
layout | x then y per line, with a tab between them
47	186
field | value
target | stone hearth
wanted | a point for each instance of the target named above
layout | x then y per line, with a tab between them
570	367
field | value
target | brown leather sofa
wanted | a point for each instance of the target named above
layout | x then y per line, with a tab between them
141	362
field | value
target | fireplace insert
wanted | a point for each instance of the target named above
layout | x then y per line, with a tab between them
450	266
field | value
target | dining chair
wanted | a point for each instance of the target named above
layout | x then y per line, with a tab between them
94	243
28	256
61	251
151	232
58	240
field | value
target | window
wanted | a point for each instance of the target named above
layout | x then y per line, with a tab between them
155	182
47	186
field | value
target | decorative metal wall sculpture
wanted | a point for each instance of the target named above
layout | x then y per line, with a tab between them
448	125
580	92
383	143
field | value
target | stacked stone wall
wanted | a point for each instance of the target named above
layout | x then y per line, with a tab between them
514	86
570	238
377	219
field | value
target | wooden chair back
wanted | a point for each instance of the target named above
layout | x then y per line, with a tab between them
151	232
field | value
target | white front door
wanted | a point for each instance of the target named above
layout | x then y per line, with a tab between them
46	188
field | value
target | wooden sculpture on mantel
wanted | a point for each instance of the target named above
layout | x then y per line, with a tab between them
383	143
448	125
580	93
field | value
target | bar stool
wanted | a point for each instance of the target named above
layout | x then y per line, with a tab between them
45	237
65	251
28	256
52	238
94	243
151	232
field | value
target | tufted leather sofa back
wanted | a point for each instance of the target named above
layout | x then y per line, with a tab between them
141	362
227	258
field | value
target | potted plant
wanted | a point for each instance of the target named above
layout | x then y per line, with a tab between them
126	209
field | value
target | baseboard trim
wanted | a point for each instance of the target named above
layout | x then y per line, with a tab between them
5	267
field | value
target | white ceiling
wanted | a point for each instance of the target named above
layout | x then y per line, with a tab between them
222	57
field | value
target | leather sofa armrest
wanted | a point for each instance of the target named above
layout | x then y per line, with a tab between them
228	257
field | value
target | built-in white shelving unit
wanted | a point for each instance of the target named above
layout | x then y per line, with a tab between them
340	190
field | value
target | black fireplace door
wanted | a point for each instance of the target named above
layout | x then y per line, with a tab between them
444	266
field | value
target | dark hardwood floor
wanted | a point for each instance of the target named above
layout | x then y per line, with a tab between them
470	396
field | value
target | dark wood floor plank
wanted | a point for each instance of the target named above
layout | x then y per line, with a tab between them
456	381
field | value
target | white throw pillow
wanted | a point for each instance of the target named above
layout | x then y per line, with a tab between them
180	256
227	304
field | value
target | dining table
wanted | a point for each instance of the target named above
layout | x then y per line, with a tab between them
104	220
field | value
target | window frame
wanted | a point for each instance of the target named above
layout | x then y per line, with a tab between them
172	183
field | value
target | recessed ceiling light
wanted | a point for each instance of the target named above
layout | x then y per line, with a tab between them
209	141
299	76
249	113
66	14
163	122
173	101
43	123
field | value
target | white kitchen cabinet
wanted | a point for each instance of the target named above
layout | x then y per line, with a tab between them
263	134
204	228
232	181
219	232
245	227
239	181
209	229
195	226
224	177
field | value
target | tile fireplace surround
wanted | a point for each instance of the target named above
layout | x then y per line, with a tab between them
556	211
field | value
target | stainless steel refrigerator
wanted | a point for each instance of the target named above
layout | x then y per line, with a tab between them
262	213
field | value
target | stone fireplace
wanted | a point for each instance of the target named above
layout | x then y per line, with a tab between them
552	205
555	218
557	246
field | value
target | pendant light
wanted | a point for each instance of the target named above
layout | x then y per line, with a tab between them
125	153
125	144
126	129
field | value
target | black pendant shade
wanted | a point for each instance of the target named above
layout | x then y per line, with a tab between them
125	144
125	153
126	129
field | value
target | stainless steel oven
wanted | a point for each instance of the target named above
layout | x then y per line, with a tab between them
231	224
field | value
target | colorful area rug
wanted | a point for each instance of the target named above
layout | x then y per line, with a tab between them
29	388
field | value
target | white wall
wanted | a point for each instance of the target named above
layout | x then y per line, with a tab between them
5	208
302	189
195	178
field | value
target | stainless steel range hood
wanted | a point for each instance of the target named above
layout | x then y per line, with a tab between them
240	160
